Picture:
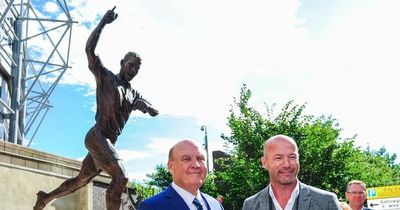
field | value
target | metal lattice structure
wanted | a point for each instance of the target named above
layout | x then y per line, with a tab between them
34	54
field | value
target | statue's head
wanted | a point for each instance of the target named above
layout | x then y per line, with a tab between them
130	66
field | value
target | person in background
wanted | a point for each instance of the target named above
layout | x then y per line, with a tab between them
220	198
186	164
285	191
356	194
345	206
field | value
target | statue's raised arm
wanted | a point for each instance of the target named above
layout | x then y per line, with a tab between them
91	43
116	99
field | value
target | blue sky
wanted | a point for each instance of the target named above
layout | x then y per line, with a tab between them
341	57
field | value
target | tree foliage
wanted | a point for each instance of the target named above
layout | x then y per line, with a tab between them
327	160
161	178
376	168
143	191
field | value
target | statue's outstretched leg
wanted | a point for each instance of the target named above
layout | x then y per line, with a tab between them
87	173
40	204
117	185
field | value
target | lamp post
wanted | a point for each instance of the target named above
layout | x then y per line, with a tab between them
205	144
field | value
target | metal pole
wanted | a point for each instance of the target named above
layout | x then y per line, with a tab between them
205	144
16	77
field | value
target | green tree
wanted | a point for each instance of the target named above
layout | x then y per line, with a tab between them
161	178
322	157
143	191
375	168
327	161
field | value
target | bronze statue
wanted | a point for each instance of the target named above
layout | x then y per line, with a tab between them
115	101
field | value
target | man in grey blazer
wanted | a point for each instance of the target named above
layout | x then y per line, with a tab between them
285	191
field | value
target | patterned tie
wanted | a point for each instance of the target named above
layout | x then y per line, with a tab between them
197	204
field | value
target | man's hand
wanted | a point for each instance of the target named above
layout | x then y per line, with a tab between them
110	16
144	106
152	112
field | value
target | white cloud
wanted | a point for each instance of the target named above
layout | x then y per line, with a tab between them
191	51
128	155
196	56
355	73
161	145
137	176
51	7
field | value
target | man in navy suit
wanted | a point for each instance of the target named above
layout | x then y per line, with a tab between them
186	164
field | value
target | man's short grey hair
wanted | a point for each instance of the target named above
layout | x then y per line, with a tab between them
356	182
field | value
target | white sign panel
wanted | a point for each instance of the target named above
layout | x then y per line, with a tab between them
387	203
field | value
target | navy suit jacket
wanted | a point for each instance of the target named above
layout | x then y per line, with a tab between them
169	199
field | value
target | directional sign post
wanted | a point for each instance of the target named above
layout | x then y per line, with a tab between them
384	197
386	203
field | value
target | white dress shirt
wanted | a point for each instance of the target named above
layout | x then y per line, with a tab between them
189	197
293	197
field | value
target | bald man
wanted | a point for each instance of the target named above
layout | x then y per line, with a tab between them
186	164
285	191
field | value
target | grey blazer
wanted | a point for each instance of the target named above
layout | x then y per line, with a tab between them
310	198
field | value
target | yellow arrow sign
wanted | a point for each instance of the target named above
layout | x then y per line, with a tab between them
383	192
